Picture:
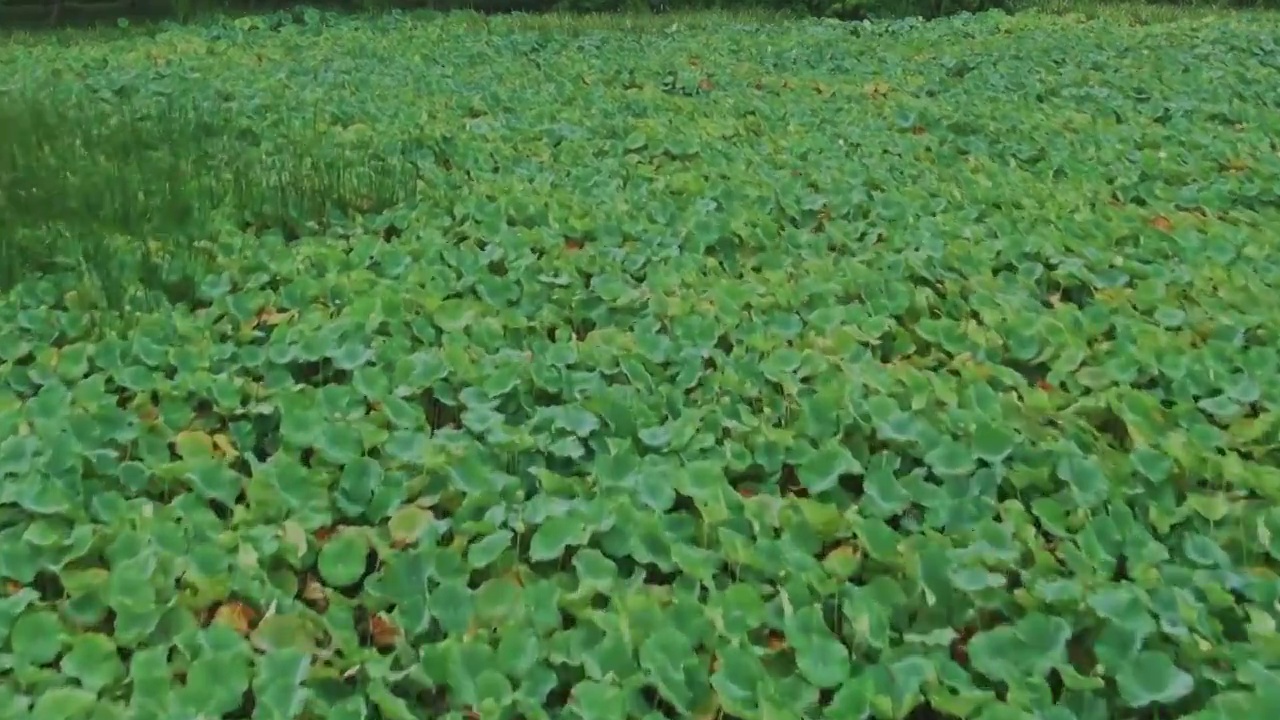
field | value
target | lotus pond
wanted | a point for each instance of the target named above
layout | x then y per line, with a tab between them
451	367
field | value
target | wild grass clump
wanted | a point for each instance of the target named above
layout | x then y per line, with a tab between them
126	196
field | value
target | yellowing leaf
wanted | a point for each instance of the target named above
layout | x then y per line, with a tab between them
408	523
877	90
193	444
224	447
236	615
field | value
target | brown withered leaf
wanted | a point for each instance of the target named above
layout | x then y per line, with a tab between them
272	317
777	642
314	594
383	631
236	615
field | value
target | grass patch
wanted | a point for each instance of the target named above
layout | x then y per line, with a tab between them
126	190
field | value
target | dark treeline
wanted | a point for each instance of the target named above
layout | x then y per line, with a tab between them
70	13
31	14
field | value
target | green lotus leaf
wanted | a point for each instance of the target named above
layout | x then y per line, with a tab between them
453	606
216	681
880	540
1202	550
820	657
278	682
737	679
595	570
821	470
668	660
18	454
284	631
553	537
853	699
518	651
997	652
338	443
1085	477
658	436
389	705
372	382
1151	463
358	482
342	560
93	660
472	474
64	703
409	523
37	637
993	442
577	420
593	699
884	495
489	548
1211	506
213	479
950	458
1150	678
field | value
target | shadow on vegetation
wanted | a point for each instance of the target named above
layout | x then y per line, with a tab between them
130	198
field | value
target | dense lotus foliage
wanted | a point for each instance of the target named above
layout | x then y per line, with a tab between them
505	369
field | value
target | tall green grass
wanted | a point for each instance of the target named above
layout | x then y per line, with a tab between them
125	199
